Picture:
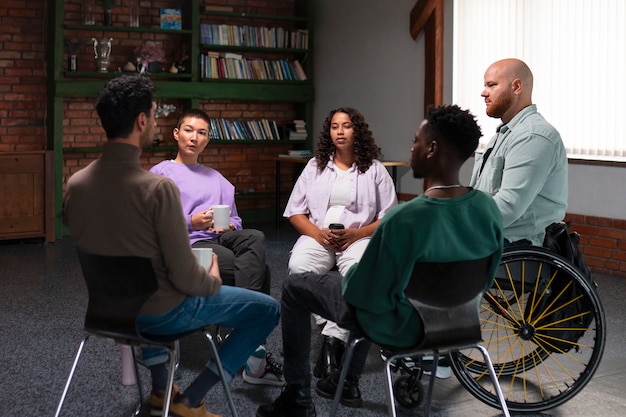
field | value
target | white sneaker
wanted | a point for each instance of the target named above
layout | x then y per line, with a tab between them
269	374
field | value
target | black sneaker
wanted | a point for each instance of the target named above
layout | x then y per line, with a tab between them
294	401
351	395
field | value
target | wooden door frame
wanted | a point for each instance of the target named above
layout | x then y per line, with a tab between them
427	16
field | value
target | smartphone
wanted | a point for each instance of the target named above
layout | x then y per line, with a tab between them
335	226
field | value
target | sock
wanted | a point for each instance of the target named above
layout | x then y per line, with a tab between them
158	373
255	364
196	392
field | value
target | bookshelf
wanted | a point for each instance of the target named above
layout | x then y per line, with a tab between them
270	103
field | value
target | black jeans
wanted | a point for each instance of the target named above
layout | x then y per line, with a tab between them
308	293
241	255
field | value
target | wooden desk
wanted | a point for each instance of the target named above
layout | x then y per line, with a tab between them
297	160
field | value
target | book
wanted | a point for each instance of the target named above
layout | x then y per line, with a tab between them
171	19
300	152
210	8
299	70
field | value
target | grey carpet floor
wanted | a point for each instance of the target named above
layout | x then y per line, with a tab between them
42	308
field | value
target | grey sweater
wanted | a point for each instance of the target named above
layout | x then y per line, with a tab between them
115	207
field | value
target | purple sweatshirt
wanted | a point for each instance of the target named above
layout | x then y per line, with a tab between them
200	188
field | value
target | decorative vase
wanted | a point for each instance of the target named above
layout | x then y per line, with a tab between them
102	50
154	67
72	63
130	67
108	17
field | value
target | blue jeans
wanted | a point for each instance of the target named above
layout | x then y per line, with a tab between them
252	316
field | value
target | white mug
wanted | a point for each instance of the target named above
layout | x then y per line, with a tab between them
204	256
221	217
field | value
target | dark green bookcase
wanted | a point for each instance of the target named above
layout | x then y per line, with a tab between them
190	86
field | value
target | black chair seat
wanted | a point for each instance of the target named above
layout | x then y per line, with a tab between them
447	297
118	287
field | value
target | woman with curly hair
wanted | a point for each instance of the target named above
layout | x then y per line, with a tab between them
344	183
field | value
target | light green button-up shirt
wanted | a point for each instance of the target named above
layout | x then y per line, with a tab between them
526	173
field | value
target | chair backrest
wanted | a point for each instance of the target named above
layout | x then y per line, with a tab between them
447	296
118	287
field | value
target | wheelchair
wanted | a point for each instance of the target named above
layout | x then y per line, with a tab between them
544	328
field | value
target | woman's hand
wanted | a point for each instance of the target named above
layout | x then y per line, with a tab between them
325	238
202	220
342	238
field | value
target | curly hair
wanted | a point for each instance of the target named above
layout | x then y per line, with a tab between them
121	100
365	149
454	126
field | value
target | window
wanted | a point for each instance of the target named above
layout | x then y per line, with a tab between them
576	50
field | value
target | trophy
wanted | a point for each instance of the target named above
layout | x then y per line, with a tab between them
102	50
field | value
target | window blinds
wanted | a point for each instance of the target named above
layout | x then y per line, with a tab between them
577	52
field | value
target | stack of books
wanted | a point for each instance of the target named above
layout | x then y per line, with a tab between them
300	153
299	130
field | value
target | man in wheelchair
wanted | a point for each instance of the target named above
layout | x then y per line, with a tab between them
449	222
525	165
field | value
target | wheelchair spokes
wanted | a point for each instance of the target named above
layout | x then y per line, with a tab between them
544	328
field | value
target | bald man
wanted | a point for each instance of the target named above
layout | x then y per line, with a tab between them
524	166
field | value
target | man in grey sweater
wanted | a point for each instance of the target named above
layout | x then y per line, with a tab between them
115	207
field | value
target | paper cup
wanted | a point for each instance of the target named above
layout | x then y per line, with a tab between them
204	256
221	217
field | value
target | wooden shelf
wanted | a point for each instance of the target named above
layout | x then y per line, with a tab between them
188	86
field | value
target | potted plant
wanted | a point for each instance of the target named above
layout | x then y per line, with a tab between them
148	56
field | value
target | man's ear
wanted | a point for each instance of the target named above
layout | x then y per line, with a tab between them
516	85
141	121
433	148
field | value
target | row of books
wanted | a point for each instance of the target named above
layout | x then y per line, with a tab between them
234	66
253	36
262	129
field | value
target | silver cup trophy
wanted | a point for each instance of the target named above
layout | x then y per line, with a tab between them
102	50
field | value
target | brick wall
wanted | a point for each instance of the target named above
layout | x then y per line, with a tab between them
22	75
251	167
603	242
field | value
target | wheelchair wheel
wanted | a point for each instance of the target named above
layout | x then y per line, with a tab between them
544	327
408	391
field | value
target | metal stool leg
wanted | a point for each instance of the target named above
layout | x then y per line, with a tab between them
137	382
170	381
344	373
220	369
177	353
494	380
391	408
431	384
69	378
